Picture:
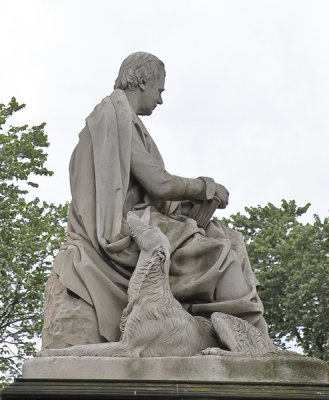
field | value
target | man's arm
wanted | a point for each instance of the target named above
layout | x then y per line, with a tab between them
160	184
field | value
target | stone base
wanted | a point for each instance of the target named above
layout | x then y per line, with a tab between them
199	368
33	389
199	377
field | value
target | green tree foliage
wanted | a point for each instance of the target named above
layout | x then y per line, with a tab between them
30	231
291	261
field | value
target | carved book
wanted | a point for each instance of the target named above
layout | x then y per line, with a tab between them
203	212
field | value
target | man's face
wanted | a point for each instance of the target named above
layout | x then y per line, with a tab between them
150	97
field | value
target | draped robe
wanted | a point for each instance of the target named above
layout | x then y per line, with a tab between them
115	168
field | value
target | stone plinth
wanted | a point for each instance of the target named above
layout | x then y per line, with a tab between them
199	368
204	377
113	390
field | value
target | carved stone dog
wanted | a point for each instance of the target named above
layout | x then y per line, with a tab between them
154	324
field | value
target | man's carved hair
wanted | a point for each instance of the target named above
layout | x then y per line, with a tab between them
138	68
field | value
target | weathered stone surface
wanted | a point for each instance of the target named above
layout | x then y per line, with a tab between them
67	320
274	369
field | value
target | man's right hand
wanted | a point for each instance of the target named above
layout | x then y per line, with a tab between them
223	194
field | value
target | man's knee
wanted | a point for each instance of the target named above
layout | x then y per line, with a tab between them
232	284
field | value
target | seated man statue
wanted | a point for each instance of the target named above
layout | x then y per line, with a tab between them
116	168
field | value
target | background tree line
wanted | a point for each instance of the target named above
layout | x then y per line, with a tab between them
290	258
30	232
291	261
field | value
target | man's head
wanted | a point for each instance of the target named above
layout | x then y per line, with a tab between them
142	77
138	69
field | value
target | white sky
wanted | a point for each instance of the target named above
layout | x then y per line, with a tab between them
247	90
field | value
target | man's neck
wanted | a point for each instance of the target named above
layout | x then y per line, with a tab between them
133	99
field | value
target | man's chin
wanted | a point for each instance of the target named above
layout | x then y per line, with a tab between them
145	112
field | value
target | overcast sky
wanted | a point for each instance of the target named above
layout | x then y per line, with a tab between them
247	88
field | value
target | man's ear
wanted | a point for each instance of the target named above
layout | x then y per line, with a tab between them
142	86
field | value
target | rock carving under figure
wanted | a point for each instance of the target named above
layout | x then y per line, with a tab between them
154	323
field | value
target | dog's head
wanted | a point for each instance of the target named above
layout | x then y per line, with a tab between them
148	238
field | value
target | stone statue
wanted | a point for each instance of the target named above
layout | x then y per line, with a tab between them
154	324
117	174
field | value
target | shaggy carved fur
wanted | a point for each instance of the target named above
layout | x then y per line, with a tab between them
239	336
